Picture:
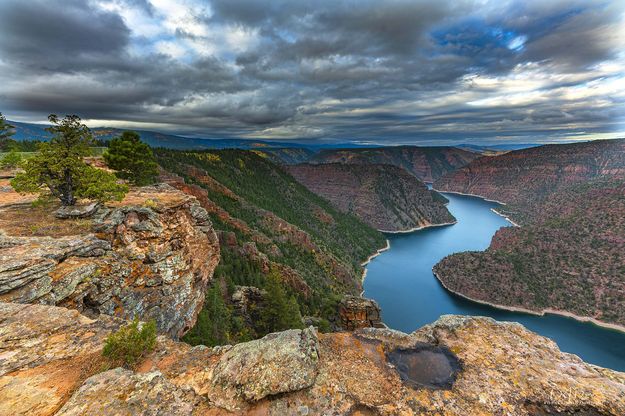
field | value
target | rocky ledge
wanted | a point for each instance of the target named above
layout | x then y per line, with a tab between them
150	256
455	366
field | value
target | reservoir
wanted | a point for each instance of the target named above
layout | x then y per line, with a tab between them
401	281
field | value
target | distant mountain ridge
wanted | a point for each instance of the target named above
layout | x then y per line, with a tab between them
426	163
32	131
384	196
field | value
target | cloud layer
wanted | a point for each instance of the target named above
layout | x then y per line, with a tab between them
395	71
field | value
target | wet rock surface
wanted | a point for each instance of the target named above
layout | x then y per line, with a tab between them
47	366
425	365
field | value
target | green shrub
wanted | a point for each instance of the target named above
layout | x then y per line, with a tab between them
130	343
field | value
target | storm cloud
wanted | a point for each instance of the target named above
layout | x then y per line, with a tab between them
444	71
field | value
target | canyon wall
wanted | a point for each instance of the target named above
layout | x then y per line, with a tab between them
386	197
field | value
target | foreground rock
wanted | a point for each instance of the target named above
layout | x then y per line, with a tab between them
47	367
150	256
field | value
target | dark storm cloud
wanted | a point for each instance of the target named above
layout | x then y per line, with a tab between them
48	36
373	70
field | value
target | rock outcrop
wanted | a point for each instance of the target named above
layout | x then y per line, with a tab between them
357	312
386	197
150	256
53	366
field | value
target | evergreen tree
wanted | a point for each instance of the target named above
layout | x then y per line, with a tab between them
280	312
58	169
132	159
6	130
213	322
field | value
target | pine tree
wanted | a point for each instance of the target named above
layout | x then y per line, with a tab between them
213	324
132	159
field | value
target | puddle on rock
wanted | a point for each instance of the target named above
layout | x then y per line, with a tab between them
425	366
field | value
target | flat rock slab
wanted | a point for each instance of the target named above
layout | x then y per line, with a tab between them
77	211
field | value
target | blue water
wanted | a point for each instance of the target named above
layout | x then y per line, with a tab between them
401	281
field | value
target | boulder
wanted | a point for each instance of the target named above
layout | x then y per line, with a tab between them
278	363
150	256
77	211
123	392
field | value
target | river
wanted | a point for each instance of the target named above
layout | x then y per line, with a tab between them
401	281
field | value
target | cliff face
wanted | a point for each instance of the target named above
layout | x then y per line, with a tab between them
524	177
426	163
570	257
385	197
150	256
456	366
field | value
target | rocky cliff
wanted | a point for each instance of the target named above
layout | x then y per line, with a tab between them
523	177
570	257
426	163
150	256
455	366
386	197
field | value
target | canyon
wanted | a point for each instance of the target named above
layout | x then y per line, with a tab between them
385	197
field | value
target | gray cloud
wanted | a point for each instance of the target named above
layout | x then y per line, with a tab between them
391	70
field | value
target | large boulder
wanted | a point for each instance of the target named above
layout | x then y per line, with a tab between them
278	363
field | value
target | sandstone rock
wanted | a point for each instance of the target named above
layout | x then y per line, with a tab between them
356	312
278	363
122	392
77	211
151	257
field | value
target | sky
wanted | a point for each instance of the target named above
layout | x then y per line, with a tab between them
367	71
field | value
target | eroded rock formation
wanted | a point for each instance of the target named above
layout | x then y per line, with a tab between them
53	366
356	312
150	256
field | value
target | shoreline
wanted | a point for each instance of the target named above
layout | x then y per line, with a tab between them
505	217
371	257
423	227
585	319
475	195
485	199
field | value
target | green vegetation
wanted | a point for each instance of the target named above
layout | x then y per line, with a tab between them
11	160
58	169
130	343
132	159
281	311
